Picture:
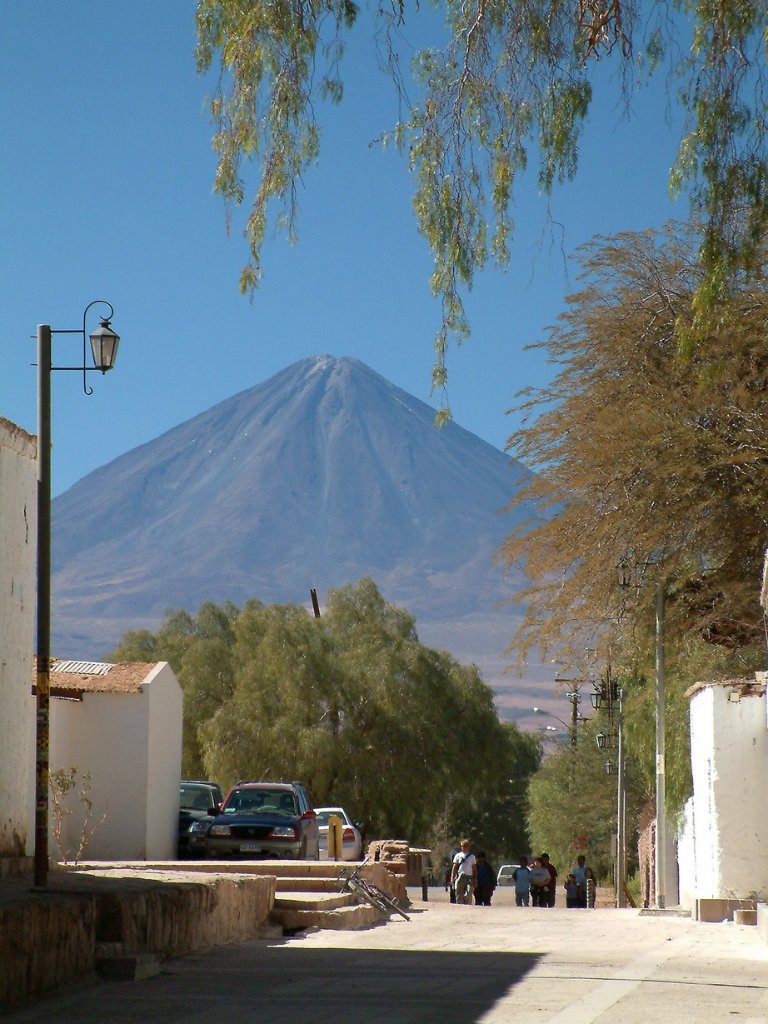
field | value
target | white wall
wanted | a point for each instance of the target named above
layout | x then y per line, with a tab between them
131	745
18	518
104	734
164	761
686	857
729	759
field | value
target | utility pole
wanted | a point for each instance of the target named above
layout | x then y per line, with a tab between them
661	796
621	805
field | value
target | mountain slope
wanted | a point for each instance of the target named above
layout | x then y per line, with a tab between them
320	475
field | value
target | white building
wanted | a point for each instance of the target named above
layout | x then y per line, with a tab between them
121	724
18	517
723	847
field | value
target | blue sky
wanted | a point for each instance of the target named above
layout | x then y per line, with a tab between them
105	187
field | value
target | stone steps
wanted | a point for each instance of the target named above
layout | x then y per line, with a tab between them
314	900
343	918
306	885
307	893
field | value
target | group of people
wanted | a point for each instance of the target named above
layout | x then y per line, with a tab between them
536	883
472	876
581	885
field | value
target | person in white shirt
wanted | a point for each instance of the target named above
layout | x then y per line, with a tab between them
540	881
464	873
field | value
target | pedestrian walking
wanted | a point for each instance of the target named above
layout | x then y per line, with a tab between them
571	891
540	880
522	877
547	863
486	881
590	888
464	872
579	871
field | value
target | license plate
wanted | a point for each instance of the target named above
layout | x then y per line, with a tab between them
249	848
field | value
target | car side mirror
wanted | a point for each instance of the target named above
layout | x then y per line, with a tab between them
213	811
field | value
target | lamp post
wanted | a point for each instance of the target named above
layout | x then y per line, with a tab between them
104	344
621	809
661	776
608	695
660	853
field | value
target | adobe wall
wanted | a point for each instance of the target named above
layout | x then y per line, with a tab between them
50	941
18	549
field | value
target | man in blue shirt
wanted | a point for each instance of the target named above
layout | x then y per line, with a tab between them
522	877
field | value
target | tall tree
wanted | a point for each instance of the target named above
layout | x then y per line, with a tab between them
644	459
653	466
506	78
353	705
573	805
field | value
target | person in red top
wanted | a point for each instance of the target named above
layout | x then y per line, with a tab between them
545	861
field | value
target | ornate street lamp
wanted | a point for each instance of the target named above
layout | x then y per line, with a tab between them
104	344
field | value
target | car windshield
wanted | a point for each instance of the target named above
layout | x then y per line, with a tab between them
260	801
197	798
323	816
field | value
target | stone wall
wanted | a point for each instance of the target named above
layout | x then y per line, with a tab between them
51	940
392	855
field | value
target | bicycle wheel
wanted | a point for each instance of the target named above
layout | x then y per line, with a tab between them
385	902
360	889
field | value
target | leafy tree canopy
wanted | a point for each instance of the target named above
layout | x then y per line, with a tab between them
574	801
405	737
644	462
508	79
652	468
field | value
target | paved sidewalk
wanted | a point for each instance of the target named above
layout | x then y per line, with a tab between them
453	965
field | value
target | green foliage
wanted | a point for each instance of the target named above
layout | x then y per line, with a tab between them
404	736
199	650
573	804
508	78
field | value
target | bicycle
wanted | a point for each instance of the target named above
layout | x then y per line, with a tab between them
352	881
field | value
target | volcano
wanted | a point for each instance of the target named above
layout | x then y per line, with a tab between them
322	474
